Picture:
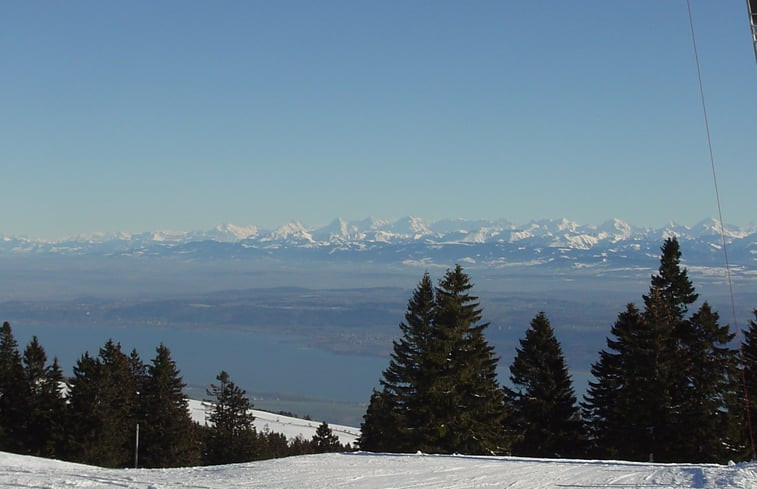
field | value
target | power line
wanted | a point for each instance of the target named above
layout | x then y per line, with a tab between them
720	217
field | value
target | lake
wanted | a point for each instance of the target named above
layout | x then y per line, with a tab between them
256	362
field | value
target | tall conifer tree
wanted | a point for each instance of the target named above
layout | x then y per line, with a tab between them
749	357
609	431
406	381
709	408
662	373
440	393
44	433
379	431
103	401
546	416
14	393
324	440
469	401
167	434
231	436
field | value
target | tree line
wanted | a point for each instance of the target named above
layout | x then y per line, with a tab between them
670	386
116	411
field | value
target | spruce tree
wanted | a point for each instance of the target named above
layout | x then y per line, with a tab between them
166	431
545	416
708	409
664	372
103	402
749	359
324	440
469	406
378	431
231	436
671	287
407	380
272	445
14	394
651	395
440	392
83	420
641	379
46	406
300	446
138	369
665	307
607	427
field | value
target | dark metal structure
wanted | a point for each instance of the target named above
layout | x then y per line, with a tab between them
752	7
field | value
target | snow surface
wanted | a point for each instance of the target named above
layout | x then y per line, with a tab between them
373	471
276	423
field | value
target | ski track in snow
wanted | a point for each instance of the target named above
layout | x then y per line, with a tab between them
373	471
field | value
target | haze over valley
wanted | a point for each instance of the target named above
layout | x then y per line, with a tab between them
314	300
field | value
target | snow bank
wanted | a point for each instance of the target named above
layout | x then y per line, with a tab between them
374	471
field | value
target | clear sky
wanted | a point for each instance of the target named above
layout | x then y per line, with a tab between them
145	115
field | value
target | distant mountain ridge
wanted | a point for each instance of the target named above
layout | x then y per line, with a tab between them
412	240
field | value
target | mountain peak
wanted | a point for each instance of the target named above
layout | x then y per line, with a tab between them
293	230
411	225
412	239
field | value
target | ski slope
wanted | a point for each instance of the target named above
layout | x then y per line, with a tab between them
277	423
373	471
379	471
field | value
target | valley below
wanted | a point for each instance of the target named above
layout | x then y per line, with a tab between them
302	320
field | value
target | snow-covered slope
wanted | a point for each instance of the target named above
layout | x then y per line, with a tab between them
288	426
374	471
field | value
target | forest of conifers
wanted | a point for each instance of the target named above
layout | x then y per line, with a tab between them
669	386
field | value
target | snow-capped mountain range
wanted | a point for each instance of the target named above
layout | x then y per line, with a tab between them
412	240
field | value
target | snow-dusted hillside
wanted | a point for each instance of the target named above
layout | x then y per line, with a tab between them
288	426
411	240
378	471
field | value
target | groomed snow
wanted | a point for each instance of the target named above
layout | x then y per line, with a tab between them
374	471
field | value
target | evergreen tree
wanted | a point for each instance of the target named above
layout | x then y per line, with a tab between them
650	396
325	440
546	416
103	401
272	445
231	436
440	392
14	394
406	381
662	373
469	407
709	407
608	430
300	446
82	425
46	406
749	358
671	288
55	403
665	307
166	431
378	431
138	369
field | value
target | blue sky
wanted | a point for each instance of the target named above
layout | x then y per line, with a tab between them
182	115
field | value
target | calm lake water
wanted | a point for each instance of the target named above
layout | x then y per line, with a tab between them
255	362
